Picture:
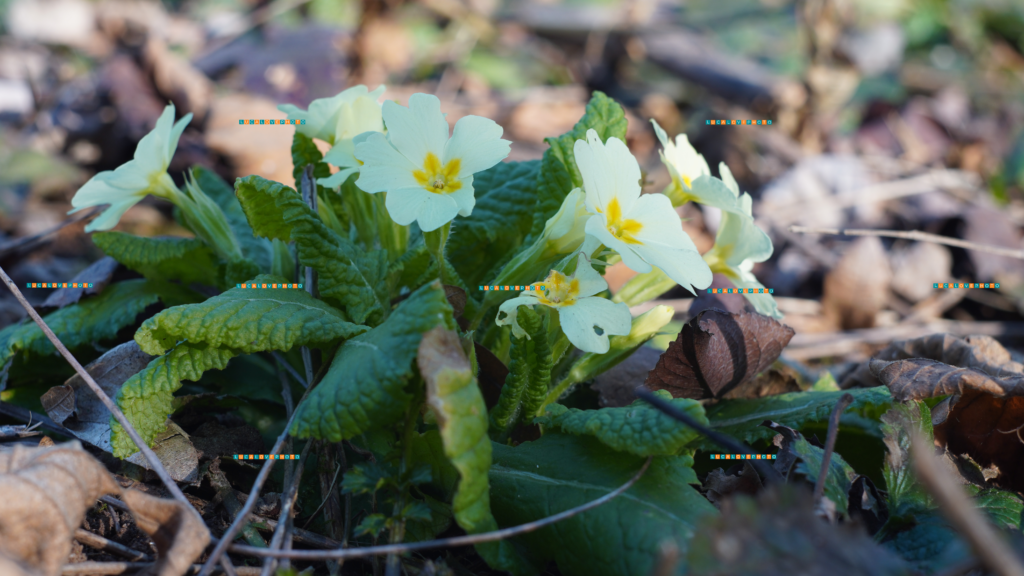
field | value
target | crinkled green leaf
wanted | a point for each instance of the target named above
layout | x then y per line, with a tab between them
249	320
92	319
529	375
186	260
905	495
558	172
146	398
838	478
458	406
501	219
354	278
253	248
619	538
365	385
304	151
741	418
639	428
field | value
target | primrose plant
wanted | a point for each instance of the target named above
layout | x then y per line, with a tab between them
403	233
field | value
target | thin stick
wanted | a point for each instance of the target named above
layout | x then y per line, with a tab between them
326	498
913	235
444	542
284	363
100	543
287	501
116	568
261	478
770	474
830	444
157	466
986	542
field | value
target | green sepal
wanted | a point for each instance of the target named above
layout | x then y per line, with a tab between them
528	379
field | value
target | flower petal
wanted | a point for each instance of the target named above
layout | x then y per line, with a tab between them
111	216
418	129
590	282
740	239
464	197
405	204
683	161
661	225
582	320
111	187
338	178
597	229
609	171
436	211
342	154
384	168
510	309
476	142
711	191
686	267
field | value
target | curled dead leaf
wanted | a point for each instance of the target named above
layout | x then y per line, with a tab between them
920	378
47	492
717	351
720	484
98	274
457	298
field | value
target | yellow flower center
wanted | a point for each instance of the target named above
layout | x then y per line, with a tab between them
623	229
686	181
436	178
558	290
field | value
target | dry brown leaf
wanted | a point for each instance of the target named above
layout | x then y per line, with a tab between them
457	298
916	268
857	288
768	383
138	106
98	274
920	378
987	429
734	303
720	485
615	387
717	351
982	353
260	150
188	88
47	492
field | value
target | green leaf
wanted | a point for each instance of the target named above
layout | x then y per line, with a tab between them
559	173
256	249
304	151
619	538
428	449
92	319
838	479
906	496
638	429
187	260
365	385
500	221
354	278
146	398
372	525
458	406
741	418
529	375
249	320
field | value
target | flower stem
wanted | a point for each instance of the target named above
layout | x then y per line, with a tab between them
436	240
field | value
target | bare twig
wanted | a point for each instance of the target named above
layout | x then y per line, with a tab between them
444	542
986	542
913	235
284	363
31	241
154	462
100	543
283	521
305	537
770	474
261	478
116	568
229	496
330	489
830	444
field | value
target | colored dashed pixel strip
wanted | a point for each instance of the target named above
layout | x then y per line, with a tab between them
298	286
741	291
59	285
737	122
743	456
966	285
513	288
272	122
267	456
